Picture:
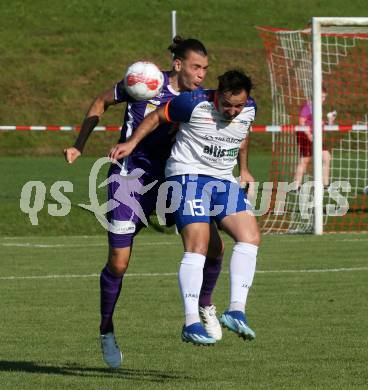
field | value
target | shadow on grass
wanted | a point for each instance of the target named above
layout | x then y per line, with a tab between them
85	371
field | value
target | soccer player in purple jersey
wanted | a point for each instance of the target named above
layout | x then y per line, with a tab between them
214	127
189	69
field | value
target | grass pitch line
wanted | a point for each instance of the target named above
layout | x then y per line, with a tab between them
307	271
71	276
31	245
139	275
103	244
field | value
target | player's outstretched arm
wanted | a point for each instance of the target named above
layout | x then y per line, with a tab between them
147	126
97	108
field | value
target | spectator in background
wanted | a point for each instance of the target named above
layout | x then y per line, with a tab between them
305	144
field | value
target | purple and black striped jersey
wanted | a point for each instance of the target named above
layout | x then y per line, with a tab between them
152	152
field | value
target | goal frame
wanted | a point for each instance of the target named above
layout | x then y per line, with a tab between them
317	26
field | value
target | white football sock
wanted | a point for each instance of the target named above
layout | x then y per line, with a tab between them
190	283
242	269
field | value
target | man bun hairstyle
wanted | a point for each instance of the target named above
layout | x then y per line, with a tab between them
234	81
180	47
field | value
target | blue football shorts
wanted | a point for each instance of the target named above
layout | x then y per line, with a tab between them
206	199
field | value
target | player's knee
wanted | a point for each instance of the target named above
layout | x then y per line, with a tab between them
326	157
304	164
305	161
197	247
118	261
117	269
256	239
254	236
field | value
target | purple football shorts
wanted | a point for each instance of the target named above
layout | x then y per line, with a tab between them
132	199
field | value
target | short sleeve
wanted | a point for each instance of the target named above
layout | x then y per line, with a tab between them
305	111
252	104
180	108
120	94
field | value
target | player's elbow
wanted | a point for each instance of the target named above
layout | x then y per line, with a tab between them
99	105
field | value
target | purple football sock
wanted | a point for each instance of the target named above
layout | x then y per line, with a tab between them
211	272
110	287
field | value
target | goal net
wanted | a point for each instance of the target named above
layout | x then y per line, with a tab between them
344	54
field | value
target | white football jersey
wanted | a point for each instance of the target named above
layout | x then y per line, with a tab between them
206	143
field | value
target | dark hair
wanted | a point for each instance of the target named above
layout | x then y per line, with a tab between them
234	81
180	47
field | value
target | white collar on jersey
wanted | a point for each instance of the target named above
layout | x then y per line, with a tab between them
172	90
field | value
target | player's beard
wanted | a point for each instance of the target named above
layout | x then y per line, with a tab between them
187	84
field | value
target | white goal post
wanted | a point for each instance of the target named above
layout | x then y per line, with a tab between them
330	55
318	24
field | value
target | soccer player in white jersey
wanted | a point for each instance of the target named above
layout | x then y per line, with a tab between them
214	126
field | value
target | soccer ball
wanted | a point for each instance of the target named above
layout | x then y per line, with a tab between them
143	80
365	190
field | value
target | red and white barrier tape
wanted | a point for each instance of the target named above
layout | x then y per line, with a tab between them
57	128
254	129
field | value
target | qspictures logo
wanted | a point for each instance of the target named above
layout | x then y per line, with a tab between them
126	190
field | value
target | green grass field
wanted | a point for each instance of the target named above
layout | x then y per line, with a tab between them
308	306
308	303
58	55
